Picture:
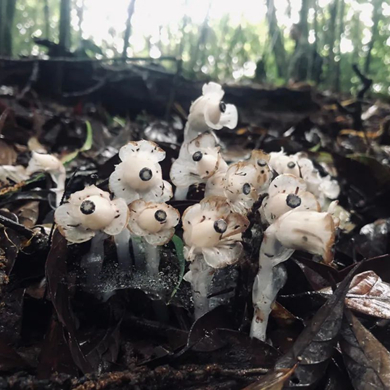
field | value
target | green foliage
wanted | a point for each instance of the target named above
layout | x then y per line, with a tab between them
229	47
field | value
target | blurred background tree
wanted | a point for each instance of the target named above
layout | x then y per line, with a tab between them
273	42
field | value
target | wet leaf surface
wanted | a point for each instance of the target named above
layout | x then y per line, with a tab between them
313	349
366	359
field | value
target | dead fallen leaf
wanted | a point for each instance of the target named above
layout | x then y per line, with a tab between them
366	359
367	294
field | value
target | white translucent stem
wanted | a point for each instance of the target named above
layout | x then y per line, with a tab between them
122	242
181	193
152	255
267	284
139	252
269	280
200	277
92	262
59	180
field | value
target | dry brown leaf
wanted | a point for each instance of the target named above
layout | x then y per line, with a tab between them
8	154
28	213
368	294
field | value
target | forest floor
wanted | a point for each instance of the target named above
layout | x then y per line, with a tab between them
56	334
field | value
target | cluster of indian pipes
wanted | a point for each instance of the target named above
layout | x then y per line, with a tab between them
295	204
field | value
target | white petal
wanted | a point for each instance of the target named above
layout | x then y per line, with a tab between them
78	197
64	215
212	113
229	118
76	235
286	184
162	192
215	185
142	149
183	173
213	88
223	255
160	238
121	217
119	188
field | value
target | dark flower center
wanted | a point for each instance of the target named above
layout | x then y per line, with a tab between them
293	201
261	163
220	226
145	174
291	164
222	106
87	207
160	215
246	188
197	156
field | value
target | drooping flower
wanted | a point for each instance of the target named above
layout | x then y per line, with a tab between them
139	174
214	231
154	221
88	212
53	166
199	160
210	112
243	185
309	231
286	192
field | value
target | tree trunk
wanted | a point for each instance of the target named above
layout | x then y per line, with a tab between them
340	33
331	41
201	45
64	40
46	16
277	45
126	37
80	16
376	14
303	23
7	13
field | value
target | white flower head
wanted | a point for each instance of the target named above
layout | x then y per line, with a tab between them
212	229
50	164
88	212
209	111
285	193
154	221
243	184
282	163
308	231
139	174
198	160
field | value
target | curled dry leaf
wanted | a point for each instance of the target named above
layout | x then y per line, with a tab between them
366	359
368	294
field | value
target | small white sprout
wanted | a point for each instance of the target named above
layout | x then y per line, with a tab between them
198	160
243	185
209	111
53	166
139	174
286	192
214	231
154	221
89	212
